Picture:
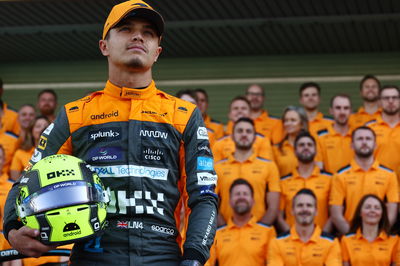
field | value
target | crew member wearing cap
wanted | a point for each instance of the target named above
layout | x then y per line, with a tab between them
155	157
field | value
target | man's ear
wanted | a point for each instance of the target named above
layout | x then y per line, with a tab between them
103	45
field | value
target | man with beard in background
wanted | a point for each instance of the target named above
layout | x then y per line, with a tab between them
364	175
334	142
260	172
305	243
370	110
306	175
387	128
243	241
47	104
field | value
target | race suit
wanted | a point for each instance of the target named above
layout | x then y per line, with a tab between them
151	149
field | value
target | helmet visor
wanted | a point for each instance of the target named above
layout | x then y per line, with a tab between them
61	194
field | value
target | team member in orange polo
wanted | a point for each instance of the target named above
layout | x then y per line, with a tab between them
306	175
369	241
243	241
26	149
294	121
202	103
240	107
364	175
8	117
387	128
310	98
261	173
305	243
335	141
266	125
370	110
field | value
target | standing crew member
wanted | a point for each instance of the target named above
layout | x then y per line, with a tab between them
156	144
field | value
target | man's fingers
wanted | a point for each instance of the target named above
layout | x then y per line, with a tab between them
29	231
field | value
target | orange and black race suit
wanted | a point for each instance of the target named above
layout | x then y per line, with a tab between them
151	150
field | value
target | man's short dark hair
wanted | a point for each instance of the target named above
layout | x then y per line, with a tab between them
341	95
203	91
239	98
362	128
51	91
309	85
241	181
369	76
304	191
386	87
244	119
303	134
189	92
256	85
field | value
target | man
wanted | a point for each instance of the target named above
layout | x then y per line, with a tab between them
364	175
335	141
240	107
266	125
47	104
370	109
305	243
244	163
212	125
306	175
8	117
310	98
387	128
155	142
26	116
243	241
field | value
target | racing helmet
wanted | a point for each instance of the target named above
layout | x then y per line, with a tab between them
62	198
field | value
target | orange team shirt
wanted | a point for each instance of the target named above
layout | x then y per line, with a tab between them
286	159
319	182
289	249
10	142
225	146
261	173
361	117
318	123
387	144
351	183
335	149
21	159
246	245
9	120
359	251
216	127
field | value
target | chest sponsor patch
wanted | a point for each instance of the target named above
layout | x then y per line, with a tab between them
103	154
105	134
153	154
131	170
48	130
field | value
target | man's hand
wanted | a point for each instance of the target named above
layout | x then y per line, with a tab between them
24	240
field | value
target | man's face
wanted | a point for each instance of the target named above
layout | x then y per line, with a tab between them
305	150
26	115
255	96
47	104
244	135
390	101
133	44
304	209
238	109
241	199
310	98
202	103
363	143
341	110
370	90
